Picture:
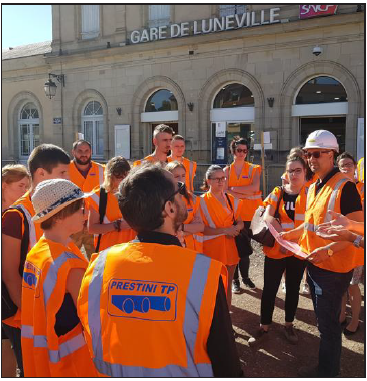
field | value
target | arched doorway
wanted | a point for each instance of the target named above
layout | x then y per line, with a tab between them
232	113
29	129
322	103
93	127
161	107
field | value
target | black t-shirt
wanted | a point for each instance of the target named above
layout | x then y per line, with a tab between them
290	204
350	200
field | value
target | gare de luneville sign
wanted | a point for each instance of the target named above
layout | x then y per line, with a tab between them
231	22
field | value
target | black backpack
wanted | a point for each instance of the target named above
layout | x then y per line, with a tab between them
8	308
102	212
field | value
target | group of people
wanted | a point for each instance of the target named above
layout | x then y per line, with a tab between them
155	297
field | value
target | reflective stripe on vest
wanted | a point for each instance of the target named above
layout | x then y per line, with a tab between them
289	225
255	197
198	238
209	237
96	199
32	230
191	170
299	217
309	227
51	277
194	296
332	199
100	174
65	349
204	208
310	190
250	171
273	197
236	202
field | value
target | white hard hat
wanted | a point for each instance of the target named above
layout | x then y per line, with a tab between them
322	139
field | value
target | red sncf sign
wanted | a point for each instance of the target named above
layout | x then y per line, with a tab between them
312	10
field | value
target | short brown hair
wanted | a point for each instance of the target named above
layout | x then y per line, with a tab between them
65	212
12	173
81	141
178	137
162	128
47	157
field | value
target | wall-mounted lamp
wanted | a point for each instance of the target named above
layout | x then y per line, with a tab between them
119	110
190	105
50	86
270	102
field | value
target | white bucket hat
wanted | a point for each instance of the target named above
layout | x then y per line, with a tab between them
51	196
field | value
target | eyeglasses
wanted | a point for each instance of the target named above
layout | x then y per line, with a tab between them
240	150
315	154
296	171
119	176
218	179
181	190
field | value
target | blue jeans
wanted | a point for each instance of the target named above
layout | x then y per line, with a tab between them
327	289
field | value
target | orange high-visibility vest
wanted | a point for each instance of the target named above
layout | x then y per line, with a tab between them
220	247
93	179
360	170
147	310
193	241
112	214
35	233
328	198
147	158
286	223
249	203
360	188
45	276
190	167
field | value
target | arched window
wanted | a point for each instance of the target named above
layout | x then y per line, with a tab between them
92	122
29	128
161	100
321	90
234	95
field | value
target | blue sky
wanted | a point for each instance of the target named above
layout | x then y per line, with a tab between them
25	24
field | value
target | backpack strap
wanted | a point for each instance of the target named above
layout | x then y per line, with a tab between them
102	212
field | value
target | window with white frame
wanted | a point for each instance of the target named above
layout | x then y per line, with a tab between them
29	129
92	122
90	21
228	10
159	15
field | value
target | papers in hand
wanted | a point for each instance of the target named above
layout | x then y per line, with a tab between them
291	246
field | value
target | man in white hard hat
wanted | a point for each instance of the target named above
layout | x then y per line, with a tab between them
331	264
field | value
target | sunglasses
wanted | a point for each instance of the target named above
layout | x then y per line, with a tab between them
239	150
348	165
316	154
295	171
181	190
119	176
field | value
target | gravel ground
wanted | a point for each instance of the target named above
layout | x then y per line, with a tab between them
276	357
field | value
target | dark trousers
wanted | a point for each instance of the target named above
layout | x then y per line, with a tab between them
327	289
14	336
243	266
273	271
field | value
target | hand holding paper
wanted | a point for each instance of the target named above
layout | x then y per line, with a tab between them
291	246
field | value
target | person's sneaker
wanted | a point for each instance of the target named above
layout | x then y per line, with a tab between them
236	287
308	371
260	336
249	283
306	289
283	288
290	334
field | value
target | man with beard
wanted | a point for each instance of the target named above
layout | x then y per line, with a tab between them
149	307
87	175
162	139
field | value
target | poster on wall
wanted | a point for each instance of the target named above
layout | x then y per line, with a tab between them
122	140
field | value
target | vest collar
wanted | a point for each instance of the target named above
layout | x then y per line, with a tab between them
157	237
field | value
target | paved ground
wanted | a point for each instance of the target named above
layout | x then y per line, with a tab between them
276	357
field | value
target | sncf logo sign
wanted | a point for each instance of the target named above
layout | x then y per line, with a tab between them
307	10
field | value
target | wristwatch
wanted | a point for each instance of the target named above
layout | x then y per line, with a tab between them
330	252
357	241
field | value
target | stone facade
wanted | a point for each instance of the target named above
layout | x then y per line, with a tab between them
272	60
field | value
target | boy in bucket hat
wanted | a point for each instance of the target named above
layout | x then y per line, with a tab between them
52	338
